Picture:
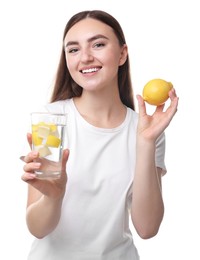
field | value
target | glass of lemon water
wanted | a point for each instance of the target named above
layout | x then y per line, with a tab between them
48	138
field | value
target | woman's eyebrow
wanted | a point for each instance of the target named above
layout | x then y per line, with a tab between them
93	38
96	37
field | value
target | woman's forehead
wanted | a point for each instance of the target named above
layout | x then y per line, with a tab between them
87	28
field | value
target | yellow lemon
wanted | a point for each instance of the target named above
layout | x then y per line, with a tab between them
156	91
53	127
43	131
36	139
53	141
43	150
34	128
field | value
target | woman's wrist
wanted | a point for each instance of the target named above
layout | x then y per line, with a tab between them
145	142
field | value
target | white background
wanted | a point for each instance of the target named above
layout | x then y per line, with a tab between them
163	40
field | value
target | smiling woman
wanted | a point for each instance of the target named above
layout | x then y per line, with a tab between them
115	158
97	56
63	76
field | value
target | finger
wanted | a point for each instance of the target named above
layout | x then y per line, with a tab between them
32	166
29	157
172	94
172	109
141	105
174	105
173	97
27	176
160	108
29	139
64	159
22	158
64	163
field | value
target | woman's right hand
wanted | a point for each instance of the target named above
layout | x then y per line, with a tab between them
52	188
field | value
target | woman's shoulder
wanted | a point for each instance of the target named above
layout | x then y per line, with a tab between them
132	113
60	106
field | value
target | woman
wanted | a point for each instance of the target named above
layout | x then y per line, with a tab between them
115	157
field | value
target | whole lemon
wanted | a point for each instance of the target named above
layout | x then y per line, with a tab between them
155	92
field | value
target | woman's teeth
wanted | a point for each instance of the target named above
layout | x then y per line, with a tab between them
89	70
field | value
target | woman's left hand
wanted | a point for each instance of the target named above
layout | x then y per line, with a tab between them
151	126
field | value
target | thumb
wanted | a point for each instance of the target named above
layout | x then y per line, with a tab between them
65	159
141	105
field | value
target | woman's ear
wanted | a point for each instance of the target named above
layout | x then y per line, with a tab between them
124	54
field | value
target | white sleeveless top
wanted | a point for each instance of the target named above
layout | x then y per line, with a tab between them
94	223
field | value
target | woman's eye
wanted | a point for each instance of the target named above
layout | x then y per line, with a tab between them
98	45
72	50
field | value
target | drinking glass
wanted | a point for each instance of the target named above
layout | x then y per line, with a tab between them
48	137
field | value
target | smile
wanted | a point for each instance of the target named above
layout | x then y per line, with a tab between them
90	70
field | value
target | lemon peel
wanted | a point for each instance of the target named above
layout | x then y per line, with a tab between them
156	91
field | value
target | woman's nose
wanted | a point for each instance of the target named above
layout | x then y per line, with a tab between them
86	56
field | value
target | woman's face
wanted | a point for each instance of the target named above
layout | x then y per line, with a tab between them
93	54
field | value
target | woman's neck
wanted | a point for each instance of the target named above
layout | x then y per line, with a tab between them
101	111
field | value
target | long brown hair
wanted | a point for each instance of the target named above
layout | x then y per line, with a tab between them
65	87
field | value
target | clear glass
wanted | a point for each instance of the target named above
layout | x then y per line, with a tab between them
48	137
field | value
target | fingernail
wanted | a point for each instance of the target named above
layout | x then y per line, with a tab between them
32	175
37	165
